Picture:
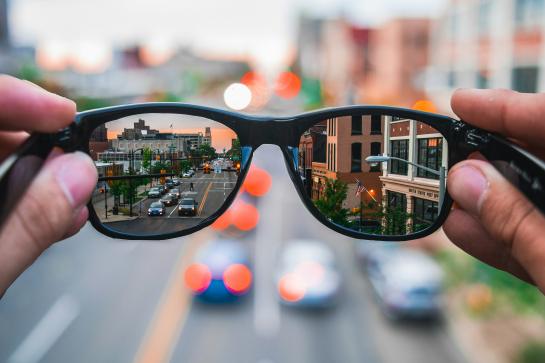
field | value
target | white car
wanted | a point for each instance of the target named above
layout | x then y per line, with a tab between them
307	275
154	193
189	173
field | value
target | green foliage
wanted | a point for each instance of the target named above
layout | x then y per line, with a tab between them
206	150
331	203
147	155
86	103
235	152
533	352
185	165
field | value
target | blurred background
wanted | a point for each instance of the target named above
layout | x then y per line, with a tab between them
296	291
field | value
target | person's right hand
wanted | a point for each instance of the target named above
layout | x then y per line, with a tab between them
492	220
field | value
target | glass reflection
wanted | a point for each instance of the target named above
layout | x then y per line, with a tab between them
162	173
376	174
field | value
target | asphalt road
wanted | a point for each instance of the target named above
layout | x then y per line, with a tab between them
209	191
93	299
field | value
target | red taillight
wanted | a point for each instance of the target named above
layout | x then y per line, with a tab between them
291	287
198	277
237	278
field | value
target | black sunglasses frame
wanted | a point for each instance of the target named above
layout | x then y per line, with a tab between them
285	132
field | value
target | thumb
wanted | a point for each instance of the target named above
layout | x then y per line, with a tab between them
504	213
52	208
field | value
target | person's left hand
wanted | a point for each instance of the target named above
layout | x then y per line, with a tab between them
54	206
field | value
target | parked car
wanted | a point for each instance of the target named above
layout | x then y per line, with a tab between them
221	272
156	209
169	200
154	193
189	173
187	207
307	275
407	282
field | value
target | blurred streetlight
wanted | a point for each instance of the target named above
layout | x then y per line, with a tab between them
376	159
237	96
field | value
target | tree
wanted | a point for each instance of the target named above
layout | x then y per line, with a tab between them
206	150
331	203
185	165
235	152
147	155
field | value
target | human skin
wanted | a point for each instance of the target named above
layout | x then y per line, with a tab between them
492	220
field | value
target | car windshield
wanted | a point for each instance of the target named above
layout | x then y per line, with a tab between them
187	202
156	205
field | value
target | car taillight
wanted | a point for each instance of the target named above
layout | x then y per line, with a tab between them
292	287
198	277
237	278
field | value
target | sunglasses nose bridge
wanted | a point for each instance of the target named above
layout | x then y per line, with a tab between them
278	132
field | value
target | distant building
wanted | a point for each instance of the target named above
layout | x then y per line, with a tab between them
138	131
98	142
487	44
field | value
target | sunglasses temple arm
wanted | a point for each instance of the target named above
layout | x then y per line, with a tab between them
524	170
18	171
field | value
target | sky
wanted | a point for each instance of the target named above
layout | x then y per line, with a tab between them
261	29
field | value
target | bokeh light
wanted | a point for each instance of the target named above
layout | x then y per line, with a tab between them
257	182
237	278
52	56
288	85
89	57
258	85
291	287
237	96
197	277
223	222
425	106
245	216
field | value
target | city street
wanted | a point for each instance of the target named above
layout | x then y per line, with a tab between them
209	191
93	299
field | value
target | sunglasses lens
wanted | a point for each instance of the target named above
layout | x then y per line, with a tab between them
375	173
162	173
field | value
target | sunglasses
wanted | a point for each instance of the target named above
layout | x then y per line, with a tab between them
168	169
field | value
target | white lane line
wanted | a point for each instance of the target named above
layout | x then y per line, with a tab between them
268	237
175	208
48	330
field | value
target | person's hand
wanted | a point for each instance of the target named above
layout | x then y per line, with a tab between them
54	206
492	220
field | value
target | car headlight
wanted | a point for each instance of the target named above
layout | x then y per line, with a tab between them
149	210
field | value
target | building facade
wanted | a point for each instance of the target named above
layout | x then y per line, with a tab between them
405	186
487	44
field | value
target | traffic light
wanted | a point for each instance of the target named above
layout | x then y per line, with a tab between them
162	179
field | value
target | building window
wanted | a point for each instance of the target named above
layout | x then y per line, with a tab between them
485	11
375	150
376	124
528	13
356	125
399	149
430	155
356	157
525	79
425	213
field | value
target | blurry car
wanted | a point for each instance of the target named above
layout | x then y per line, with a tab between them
308	275
187	207
408	282
154	193
221	272
169	200
175	193
175	182
162	189
156	209
169	183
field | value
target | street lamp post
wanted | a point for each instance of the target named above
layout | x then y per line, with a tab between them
441	173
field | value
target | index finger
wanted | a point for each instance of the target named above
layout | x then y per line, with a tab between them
516	115
27	107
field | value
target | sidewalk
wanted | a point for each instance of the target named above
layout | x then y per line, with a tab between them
99	205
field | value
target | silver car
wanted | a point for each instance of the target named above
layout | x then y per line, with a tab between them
307	275
154	193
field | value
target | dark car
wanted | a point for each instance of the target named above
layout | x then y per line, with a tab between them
175	192
187	207
169	200
156	209
169	183
162	189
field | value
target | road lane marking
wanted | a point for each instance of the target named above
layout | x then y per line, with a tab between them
48	330
175	208
201	206
171	313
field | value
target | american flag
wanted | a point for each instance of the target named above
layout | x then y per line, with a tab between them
359	188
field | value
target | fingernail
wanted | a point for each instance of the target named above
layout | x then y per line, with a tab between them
75	177
467	186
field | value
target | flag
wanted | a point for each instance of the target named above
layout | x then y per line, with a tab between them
359	188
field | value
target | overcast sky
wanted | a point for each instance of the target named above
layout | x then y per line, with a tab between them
261	28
